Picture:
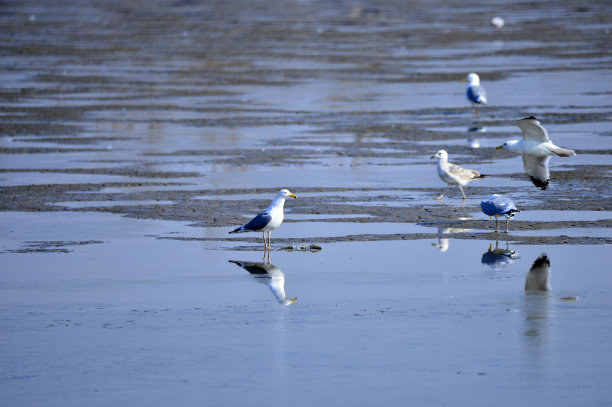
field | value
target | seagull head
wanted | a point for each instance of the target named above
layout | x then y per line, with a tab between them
508	145
472	79
285	193
440	155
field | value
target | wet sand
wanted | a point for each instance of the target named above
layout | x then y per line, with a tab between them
167	124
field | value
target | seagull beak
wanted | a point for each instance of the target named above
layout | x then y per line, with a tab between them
433	156
499	147
463	80
291	301
293	195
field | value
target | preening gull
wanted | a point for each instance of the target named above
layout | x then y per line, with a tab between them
499	205
475	93
536	149
269	219
269	274
454	174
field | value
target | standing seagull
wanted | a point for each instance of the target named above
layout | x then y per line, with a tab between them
499	205
475	93
536	149
269	219
453	174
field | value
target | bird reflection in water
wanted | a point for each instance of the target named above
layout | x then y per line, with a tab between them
538	278
267	273
499	258
473	131
444	242
537	305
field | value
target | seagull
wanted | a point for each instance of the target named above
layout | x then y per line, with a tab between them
475	93
269	219
499	205
539	275
453	174
536	149
269	274
497	22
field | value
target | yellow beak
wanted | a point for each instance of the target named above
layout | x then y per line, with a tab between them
499	147
293	195
463	80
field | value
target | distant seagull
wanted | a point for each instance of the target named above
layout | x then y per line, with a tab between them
453	174
475	93
539	275
497	22
536	149
270	275
499	205
269	219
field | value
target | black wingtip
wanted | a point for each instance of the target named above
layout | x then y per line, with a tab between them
235	231
529	118
539	183
483	176
541	261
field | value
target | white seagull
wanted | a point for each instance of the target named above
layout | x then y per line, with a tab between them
497	22
269	219
475	93
454	174
536	149
270	275
499	205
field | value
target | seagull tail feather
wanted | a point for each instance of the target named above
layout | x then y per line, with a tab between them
564	152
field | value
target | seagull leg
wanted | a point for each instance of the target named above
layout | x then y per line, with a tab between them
507	220
264	238
462	193
269	240
439	198
496	224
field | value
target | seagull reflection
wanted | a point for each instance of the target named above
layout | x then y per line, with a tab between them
538	303
472	131
498	258
267	273
539	275
444	242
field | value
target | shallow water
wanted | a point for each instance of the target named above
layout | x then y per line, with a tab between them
391	314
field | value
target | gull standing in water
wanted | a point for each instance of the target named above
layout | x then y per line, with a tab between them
499	205
454	174
475	93
536	149
269	219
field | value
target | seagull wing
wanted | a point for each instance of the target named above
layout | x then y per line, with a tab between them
477	94
532	130
463	173
258	222
503	204
537	169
